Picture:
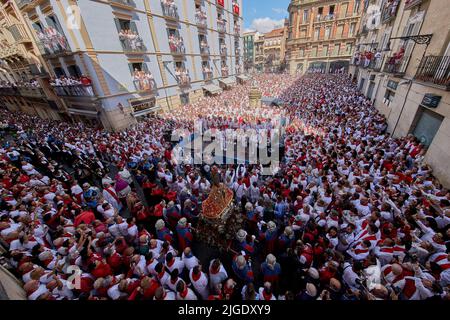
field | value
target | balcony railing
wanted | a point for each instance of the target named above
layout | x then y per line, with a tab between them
74	91
144	82
169	9
131	42
183	78
9	91
223	51
389	10
18	32
128	3
396	66
201	19
23	3
207	75
225	72
412	3
52	42
176	45
436	70
31	92
237	31
221	26
204	49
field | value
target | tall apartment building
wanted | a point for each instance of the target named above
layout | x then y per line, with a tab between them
259	52
275	49
140	55
20	62
402	63
249	50
322	34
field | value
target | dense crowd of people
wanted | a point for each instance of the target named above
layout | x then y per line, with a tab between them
352	214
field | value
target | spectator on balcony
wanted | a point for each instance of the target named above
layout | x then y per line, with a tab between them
169	8
131	40
176	44
143	79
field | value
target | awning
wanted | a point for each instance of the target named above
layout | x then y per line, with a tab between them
243	77
213	89
141	113
82	112
227	81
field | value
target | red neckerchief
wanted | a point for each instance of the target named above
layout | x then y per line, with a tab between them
195	277
170	263
266	297
185	292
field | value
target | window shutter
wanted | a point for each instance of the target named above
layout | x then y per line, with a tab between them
133	26
116	20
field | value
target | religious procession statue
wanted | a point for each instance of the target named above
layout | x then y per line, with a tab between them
220	219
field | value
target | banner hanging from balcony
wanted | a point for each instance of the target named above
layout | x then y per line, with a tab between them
221	3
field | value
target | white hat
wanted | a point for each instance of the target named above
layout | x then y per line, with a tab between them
241	235
160	224
313	273
311	289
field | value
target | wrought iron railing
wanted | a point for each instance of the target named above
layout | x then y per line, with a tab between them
436	70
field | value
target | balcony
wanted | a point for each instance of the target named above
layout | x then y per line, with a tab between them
23	3
144	81
236	8
224	72
18	32
207	74
396	66
9	91
204	49
221	25
237	30
124	4
435	70
409	4
389	11
52	43
31	92
176	45
74	91
169	9
223	50
201	19
182	77
131	42
9	51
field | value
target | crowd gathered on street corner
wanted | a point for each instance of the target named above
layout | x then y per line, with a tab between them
352	213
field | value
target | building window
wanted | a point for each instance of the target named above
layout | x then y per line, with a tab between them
343	11
336	49
339	31
331	9
389	96
305	16
301	52
352	29
357	5
314	52
348	49
327	32
316	34
325	51
426	126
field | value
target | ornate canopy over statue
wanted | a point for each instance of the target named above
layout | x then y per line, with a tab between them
219	220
